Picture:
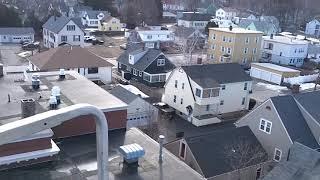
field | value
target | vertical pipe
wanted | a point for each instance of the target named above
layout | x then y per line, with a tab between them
161	139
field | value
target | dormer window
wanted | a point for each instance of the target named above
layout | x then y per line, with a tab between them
161	62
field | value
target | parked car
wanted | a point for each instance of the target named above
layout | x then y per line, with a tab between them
123	46
31	46
97	41
89	38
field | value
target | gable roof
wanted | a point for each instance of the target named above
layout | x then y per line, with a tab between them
67	57
311	103
294	121
212	75
303	164
56	24
16	30
185	32
196	17
211	151
93	14
123	94
149	56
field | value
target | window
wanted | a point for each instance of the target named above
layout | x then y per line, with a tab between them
245	50
198	92
223	87
213	36
135	72
257	39
221	59
176	83
146	77
224	39
181	101
64	38
245	86
222	48
71	27
243	101
174	98
277	155
208	107
247	40
254	51
265	126
149	36
212	46
230	39
212	56
258	173
76	38
140	73
229	50
244	60
222	102
93	70
182	150
182	86
161	62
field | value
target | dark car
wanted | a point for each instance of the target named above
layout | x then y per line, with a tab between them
31	46
97	41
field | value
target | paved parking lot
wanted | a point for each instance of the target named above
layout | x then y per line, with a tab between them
9	57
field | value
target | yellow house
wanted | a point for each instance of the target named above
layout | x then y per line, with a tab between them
110	23
237	45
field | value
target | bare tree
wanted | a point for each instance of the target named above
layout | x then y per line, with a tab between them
242	153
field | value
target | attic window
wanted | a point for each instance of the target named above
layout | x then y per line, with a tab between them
268	107
161	62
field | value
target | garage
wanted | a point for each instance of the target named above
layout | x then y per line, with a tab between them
16	34
271	72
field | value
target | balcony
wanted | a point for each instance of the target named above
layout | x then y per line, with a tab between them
208	96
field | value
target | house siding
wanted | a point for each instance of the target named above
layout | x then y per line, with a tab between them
277	139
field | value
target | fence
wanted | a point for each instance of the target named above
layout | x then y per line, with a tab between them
301	79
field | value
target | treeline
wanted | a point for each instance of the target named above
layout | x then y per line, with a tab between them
9	17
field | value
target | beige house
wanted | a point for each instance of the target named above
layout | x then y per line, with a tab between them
110	23
235	45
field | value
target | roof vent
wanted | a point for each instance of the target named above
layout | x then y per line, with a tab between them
131	153
53	104
28	107
55	91
35	80
62	74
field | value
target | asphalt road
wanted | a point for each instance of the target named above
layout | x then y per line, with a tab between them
9	57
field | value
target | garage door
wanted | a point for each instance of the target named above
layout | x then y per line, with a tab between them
265	75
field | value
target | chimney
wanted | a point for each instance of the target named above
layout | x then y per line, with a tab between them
28	107
35	81
271	36
62	74
295	88
161	139
230	28
53	104
1	70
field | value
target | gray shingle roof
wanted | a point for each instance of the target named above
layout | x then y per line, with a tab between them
311	102
145	60
93	14
123	94
313	49
294	121
212	75
16	30
303	164
260	25
196	17
211	150
184	32
55	24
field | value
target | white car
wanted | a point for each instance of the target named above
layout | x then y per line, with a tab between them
89	38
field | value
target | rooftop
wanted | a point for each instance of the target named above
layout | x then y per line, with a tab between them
67	57
78	161
123	94
55	24
212	75
285	40
236	31
196	17
275	67
74	89
16	30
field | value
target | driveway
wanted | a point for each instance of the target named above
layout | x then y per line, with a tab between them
9	57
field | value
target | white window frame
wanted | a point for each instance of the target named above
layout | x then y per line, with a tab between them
212	46
274	155
265	126
140	73
222	48
245	50
174	98
161	62
213	36
247	41
134	71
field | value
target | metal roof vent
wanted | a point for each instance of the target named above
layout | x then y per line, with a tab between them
131	153
62	74
53	104
35	80
55	91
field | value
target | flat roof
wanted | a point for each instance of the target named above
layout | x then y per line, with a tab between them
74	89
274	67
237	30
286	40
78	161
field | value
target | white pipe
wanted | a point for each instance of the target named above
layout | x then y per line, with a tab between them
28	126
